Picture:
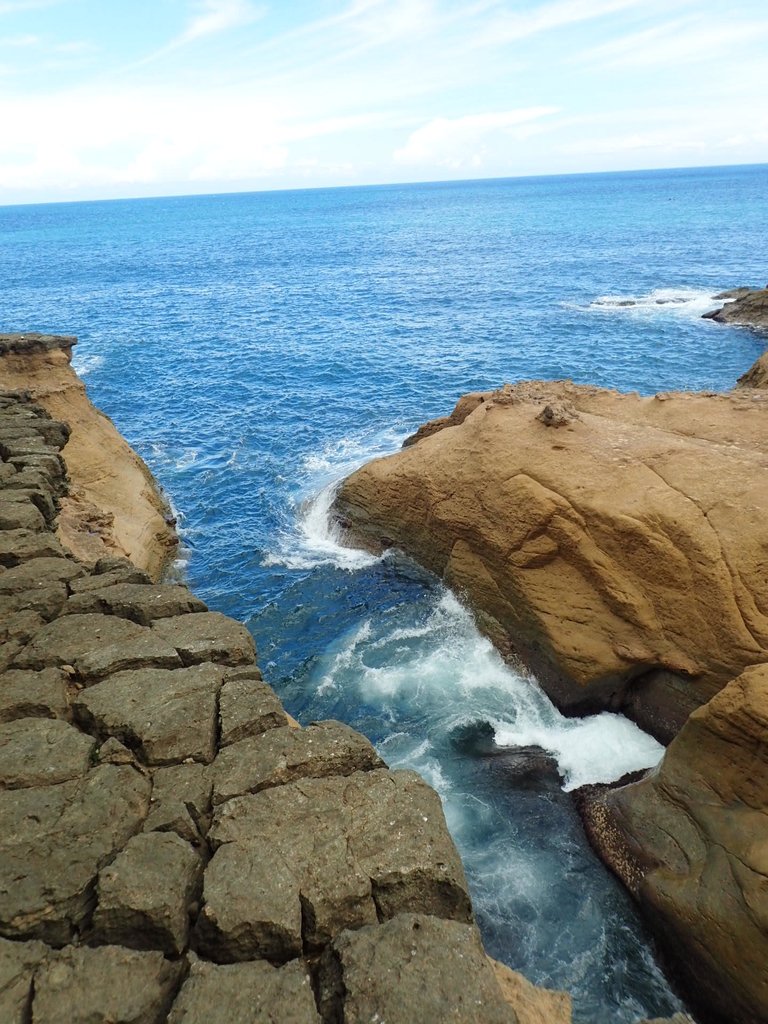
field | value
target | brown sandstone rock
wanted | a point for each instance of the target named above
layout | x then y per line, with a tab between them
533	1005
412	968
757	375
631	541
691	843
251	992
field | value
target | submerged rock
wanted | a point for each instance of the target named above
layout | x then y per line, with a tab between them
620	555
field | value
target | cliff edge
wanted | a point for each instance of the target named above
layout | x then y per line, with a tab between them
113	505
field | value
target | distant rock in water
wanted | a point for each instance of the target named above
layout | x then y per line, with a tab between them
747	307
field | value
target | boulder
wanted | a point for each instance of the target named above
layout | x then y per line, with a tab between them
146	894
412	968
691	843
207	636
42	752
623	546
247	706
250	992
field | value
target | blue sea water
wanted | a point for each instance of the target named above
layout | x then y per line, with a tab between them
254	348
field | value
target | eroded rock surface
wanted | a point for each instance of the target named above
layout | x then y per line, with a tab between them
745	306
621	551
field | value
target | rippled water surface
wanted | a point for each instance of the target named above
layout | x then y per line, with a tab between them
255	348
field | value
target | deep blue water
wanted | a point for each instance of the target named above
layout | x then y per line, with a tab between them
256	347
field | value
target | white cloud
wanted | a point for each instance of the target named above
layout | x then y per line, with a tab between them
217	16
461	141
509	26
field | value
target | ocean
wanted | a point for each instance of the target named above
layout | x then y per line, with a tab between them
255	348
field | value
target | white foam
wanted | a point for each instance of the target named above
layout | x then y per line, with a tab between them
84	364
688	303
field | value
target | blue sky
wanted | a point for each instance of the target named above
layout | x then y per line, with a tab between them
102	98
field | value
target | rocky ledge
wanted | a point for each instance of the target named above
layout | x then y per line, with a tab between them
745	306
173	849
618	545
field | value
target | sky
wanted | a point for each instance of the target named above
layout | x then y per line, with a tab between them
110	98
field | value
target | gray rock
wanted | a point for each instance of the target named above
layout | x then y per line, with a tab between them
18	963
248	706
251	907
412	968
366	845
17	546
39	572
284	755
64	640
253	993
106	985
181	802
46	601
54	841
207	636
143	603
25	694
124	572
146	893
163	715
42	752
113	752
144	650
19	515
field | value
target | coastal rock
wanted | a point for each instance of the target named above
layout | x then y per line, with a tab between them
690	841
247	706
207	636
42	752
143	603
622	549
533	1005
757	375
145	894
250	992
747	307
181	802
68	638
412	968
19	962
33	694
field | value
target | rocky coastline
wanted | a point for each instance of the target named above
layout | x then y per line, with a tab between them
617	546
745	307
174	847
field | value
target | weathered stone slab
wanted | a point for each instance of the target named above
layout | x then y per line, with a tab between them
18	546
251	907
123	572
252	992
181	802
146	893
19	627
67	638
26	694
42	752
54	841
144	650
46	601
207	636
412	968
19	515
373	843
284	755
164	715
39	572
248	706
143	603
18	964
106	984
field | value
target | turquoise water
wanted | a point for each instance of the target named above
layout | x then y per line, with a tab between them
255	348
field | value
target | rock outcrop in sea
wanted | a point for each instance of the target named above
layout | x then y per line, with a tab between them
618	546
747	307
173	848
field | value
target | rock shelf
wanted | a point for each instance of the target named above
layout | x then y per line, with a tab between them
173	848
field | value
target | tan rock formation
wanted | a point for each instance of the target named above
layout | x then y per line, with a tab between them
617	544
114	506
691	843
757	375
532	1004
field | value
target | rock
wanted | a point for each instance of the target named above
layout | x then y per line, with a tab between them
143	650
465	405
251	992
558	414
412	968
19	515
181	802
284	755
39	572
68	638
756	376
691	843
17	546
163	715
248	706
749	307
533	1005
54	841
113	752
146	893
629	542
42	752
143	603
33	694
108	984
18	963
679	1018
121	572
207	636
356	848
